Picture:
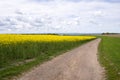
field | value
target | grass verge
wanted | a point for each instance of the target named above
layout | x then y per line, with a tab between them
109	52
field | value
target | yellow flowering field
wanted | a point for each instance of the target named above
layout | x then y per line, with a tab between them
17	48
7	38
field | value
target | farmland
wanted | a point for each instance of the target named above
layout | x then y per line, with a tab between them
109	50
19	53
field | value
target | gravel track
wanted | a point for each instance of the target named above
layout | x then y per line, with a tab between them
78	64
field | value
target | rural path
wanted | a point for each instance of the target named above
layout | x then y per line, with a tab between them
78	64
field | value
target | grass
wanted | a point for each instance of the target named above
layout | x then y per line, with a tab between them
12	54
109	49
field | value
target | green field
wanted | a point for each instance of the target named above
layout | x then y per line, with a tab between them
18	58
109	52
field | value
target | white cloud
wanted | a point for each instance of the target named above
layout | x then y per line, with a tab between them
58	16
99	13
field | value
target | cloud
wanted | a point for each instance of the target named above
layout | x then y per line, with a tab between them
59	15
115	1
98	13
19	12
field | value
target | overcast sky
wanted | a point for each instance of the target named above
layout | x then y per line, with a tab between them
59	16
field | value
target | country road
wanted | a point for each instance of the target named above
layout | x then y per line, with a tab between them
78	64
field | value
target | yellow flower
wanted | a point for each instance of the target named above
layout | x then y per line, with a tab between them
14	38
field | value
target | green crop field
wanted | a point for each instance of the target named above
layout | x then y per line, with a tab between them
19	53
109	52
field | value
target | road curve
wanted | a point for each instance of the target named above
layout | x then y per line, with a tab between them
78	64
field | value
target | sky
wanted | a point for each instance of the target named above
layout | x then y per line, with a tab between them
59	16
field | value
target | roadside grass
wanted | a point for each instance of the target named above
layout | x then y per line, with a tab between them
109	56
39	51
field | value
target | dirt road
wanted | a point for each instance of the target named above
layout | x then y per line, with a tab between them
78	64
